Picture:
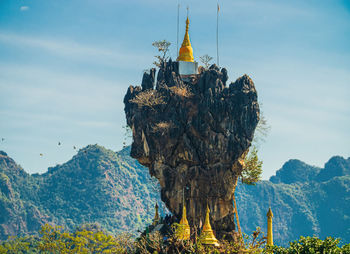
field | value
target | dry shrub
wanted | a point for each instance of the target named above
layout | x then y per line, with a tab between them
182	91
148	98
161	126
150	243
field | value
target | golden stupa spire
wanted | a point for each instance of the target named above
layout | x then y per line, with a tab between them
183	230
207	234
186	51
269	227
156	216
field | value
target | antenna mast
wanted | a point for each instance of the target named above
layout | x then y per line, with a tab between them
183	195
217	34
177	34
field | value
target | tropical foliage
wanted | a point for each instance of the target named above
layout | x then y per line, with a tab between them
312	245
56	240
96	185
252	170
53	239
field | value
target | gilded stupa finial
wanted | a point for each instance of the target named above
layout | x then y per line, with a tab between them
186	51
269	213
269	227
183	230
207	235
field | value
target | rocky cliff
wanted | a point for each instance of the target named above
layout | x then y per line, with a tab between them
190	133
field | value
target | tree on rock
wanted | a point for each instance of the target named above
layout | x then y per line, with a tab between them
163	49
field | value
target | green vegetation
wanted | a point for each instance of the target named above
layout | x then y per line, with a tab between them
310	245
55	240
252	166
84	240
302	205
115	191
252	170
96	186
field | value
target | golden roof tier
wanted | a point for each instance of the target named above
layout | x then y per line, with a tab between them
207	235
186	51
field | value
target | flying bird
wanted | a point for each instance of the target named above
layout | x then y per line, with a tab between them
41	154
59	143
3	139
74	147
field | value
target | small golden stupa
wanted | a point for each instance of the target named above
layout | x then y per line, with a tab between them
183	231
269	228
186	51
156	216
207	235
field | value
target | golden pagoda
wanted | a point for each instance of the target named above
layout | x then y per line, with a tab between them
207	235
186	51
183	231
269	228
156	216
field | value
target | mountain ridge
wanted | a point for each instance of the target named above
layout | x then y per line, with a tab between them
115	191
96	185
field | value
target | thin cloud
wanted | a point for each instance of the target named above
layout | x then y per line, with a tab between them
33	87
24	8
114	57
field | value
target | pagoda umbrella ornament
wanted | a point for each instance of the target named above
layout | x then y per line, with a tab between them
207	235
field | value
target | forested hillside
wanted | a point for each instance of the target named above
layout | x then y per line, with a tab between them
100	186
96	186
305	200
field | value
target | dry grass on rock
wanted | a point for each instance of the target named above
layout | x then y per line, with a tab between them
183	91
148	98
162	126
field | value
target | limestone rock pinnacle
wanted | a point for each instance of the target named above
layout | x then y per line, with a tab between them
190	135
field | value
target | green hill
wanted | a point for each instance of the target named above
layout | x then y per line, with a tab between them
95	186
100	186
305	200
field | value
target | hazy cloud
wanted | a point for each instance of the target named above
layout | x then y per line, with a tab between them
24	8
117	56
29	87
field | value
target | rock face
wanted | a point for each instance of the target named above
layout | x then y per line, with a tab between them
190	132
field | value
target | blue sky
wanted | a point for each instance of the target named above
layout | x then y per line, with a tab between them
65	67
